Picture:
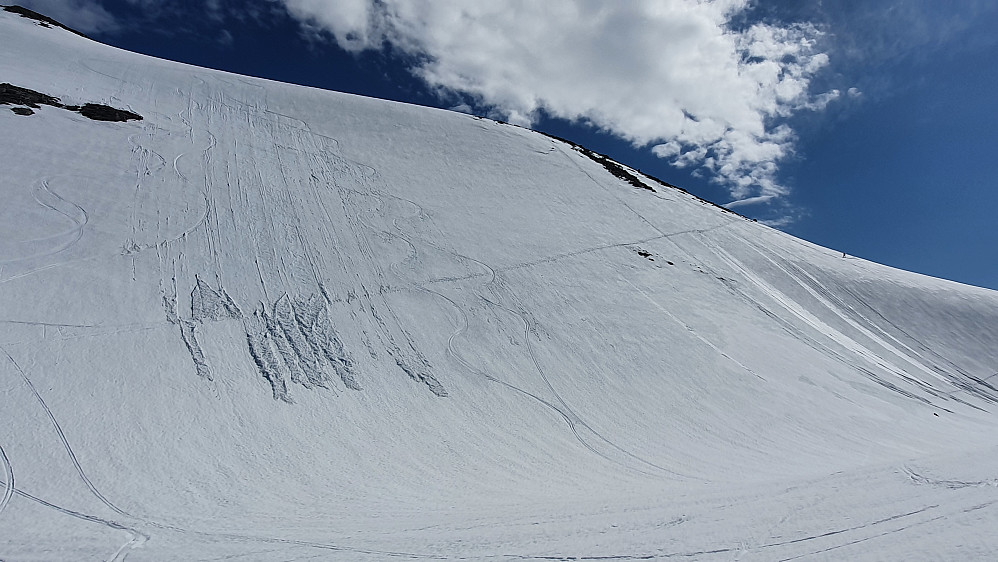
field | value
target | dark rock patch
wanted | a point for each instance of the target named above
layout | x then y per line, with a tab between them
42	20
16	95
619	171
99	112
616	169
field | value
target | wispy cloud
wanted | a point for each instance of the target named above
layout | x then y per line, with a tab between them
888	30
686	78
87	16
203	18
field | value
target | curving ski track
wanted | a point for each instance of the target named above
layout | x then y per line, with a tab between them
8	490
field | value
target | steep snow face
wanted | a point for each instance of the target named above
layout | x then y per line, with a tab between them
268	322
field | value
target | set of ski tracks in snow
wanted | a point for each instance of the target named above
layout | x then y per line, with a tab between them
586	435
847	345
578	426
48	246
137	537
140	528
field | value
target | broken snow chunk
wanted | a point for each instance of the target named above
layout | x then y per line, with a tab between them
294	340
209	304
262	352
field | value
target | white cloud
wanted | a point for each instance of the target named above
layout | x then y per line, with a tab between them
750	201
349	21
676	75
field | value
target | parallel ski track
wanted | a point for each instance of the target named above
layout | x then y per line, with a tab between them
843	309
65	442
359	226
825	297
822	348
77	214
138	538
830	332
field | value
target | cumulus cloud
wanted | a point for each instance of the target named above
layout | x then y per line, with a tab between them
687	78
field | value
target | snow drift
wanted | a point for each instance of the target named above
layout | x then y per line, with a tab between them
268	322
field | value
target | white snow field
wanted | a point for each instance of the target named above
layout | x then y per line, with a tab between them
269	322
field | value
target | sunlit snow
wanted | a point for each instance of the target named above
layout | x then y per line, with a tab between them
268	322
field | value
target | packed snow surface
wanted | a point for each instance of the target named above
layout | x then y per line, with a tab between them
268	322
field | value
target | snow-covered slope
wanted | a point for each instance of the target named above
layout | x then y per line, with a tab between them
267	322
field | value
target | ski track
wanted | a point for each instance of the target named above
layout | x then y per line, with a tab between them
283	216
137	539
62	438
835	335
49	199
691	330
822	328
8	490
906	352
573	420
408	358
363	222
823	296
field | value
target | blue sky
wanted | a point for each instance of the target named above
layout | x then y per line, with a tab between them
868	127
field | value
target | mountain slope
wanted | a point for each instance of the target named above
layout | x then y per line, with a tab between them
273	322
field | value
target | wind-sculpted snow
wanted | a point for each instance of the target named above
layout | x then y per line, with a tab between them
268	322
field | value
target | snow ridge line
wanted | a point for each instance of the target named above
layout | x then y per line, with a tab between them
187	333
292	340
262	351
